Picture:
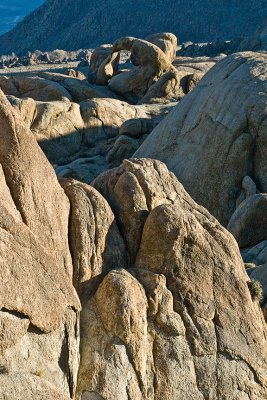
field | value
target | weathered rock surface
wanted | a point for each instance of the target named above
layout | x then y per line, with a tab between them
58	128
255	254
248	224
217	134
22	387
82	90
103	64
39	308
95	242
39	89
103	118
150	64
183	308
162	284
56	125
166	41
102	145
172	86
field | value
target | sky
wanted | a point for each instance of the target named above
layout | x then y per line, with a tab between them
12	11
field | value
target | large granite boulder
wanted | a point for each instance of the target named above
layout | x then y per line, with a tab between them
37	88
248	224
150	64
56	125
101	62
95	242
181	309
163	288
39	308
28	387
217	134
166	41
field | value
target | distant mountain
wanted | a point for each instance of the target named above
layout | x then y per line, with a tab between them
73	24
13	11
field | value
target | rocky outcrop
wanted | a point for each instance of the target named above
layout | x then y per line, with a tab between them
166	41
150	64
103	64
39	308
217	134
20	387
255	254
150	77
37	88
183	307
163	288
95	242
248	223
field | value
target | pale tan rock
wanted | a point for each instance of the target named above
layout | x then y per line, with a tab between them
82	90
186	300
217	135
8	86
103	118
25	386
99	55
56	125
53	356
33	185
25	107
166	41
196	64
107	69
172	86
36	88
58	128
39	306
150	64
12	329
95	241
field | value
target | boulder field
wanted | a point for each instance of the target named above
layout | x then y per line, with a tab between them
127	283
164	308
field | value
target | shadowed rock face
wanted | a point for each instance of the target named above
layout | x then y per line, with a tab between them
217	134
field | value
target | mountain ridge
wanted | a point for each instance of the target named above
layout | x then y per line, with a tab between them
71	24
13	12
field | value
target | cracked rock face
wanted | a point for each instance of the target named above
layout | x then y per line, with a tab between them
185	325
166	309
217	134
39	319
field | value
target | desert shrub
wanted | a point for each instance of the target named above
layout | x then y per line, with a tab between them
255	289
250	265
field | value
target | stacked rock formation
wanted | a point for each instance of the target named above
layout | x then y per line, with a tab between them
215	143
88	126
162	287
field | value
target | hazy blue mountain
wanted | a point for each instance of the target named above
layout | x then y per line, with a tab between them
72	24
13	11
